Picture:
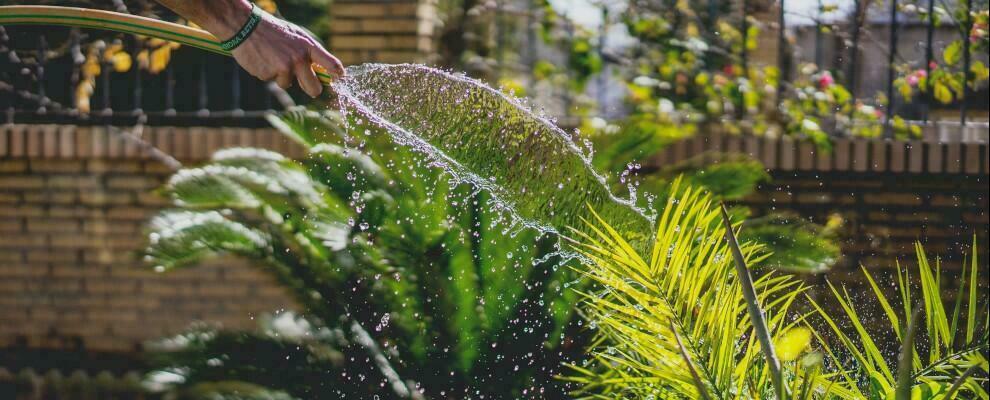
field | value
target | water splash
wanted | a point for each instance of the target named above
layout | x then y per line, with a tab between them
534	170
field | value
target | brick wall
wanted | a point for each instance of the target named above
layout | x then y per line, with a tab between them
889	192
73	203
394	31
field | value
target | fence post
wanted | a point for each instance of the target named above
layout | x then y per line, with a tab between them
854	53
782	64
169	89
745	39
929	57
891	71
203	93
138	83
235	89
105	67
967	74
818	35
42	60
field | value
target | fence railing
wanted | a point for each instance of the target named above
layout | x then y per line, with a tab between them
867	39
40	82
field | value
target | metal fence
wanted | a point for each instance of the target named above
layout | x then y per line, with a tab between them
849	43
39	82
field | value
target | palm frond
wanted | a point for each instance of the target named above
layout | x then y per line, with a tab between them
687	289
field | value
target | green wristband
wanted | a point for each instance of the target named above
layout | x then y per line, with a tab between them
253	21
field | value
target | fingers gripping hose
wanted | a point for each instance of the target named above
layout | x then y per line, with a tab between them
119	22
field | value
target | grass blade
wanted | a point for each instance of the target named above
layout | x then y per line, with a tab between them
753	306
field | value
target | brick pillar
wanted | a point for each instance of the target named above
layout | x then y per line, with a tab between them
386	31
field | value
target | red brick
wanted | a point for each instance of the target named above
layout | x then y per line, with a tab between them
100	198
22	182
53	197
131	182
904	199
56	166
130	213
74	212
44	225
11	224
13	166
73	182
945	201
9	198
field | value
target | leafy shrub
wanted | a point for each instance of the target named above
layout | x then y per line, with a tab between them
425	292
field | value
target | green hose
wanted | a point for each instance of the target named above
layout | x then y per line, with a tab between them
119	22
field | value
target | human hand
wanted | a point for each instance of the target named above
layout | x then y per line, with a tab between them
276	50
281	51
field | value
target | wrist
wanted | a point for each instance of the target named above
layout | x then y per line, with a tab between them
227	17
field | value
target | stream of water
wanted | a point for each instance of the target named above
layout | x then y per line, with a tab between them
535	171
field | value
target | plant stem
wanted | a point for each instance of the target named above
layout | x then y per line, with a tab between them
753	306
904	359
961	381
690	365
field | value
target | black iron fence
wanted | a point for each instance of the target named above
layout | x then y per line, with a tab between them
866	45
48	83
39	81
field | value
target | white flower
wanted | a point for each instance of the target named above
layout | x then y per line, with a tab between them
666	106
809	125
644	81
598	123
289	326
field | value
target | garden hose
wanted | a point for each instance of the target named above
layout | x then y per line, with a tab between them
120	22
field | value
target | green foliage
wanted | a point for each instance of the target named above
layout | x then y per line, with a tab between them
953	334
796	245
368	238
675	325
790	242
657	319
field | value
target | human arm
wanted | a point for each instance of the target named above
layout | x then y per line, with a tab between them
276	50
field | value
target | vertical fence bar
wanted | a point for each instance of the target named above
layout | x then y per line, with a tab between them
891	71
744	56
138	82
967	74
235	88
75	52
40	71
782	64
169	89
712	13
500	30
745	38
854	51
601	78
7	59
929	57
105	67
202	91
531	37
818	34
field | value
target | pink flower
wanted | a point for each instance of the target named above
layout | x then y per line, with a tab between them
916	77
825	80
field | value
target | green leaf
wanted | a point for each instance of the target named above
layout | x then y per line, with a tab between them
952	53
181	238
942	93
